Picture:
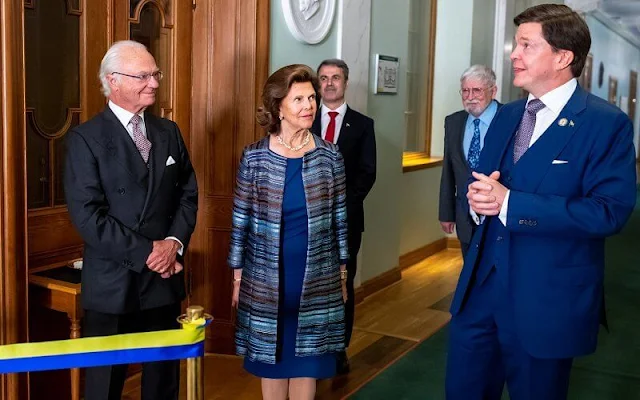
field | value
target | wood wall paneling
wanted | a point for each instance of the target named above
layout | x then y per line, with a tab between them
13	218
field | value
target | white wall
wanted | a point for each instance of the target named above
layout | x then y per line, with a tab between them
453	56
381	241
421	189
619	57
285	49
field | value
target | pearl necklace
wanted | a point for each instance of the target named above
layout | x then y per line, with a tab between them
294	148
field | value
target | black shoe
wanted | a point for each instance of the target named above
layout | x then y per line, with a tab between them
342	366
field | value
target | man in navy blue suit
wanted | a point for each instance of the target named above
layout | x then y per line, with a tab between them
556	177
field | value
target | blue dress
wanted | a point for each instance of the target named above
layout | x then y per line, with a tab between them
293	261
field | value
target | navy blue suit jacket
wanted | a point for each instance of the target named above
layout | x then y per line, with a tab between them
559	214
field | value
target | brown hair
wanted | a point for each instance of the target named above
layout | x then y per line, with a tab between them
276	88
563	29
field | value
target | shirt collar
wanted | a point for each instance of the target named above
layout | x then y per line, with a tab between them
123	115
487	115
342	110
556	99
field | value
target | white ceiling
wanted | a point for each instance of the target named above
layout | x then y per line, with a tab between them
624	12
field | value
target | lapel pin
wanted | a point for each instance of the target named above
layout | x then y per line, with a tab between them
563	122
571	123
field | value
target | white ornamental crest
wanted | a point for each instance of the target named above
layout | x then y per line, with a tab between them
309	21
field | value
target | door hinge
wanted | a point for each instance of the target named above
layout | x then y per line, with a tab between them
193	4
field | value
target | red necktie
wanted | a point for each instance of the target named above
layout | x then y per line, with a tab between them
331	128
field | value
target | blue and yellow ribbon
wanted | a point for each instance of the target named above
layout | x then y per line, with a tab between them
104	350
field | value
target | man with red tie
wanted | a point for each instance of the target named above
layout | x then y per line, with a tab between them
353	132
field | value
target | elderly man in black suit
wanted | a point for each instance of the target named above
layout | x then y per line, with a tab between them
353	132
132	194
464	133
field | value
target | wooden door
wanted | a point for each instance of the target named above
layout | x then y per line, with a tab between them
63	91
64	42
230	66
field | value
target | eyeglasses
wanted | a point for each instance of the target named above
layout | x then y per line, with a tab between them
475	92
144	77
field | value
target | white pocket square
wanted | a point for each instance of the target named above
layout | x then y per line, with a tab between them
170	161
559	162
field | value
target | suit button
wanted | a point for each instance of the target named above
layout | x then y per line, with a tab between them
121	190
499	238
508	179
142	223
521	222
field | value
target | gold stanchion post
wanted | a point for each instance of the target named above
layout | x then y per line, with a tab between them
195	365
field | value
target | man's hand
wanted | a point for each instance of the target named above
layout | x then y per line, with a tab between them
486	195
447	227
177	267
163	255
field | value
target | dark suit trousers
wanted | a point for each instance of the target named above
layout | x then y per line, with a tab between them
354	240
160	380
465	248
484	352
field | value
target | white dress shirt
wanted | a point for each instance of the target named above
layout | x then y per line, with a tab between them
554	101
124	117
325	118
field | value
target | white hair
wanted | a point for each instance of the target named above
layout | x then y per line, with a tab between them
480	72
111	61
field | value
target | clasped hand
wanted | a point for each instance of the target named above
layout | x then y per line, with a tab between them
487	194
163	258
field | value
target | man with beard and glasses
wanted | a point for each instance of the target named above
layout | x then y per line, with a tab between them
464	133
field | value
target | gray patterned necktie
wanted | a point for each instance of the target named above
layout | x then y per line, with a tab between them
525	131
142	143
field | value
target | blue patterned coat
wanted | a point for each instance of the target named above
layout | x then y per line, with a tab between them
255	247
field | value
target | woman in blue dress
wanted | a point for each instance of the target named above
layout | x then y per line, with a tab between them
289	244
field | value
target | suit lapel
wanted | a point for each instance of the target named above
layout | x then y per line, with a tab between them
159	154
535	162
507	130
344	135
119	144
462	125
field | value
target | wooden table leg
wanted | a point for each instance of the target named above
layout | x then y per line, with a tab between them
75	372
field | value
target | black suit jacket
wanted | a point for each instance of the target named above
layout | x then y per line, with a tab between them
454	206
357	144
120	207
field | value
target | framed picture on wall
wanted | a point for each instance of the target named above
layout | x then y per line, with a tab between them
585	79
613	90
386	79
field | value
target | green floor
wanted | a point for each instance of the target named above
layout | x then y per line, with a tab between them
612	373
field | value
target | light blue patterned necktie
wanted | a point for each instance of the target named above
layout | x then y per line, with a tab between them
474	148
